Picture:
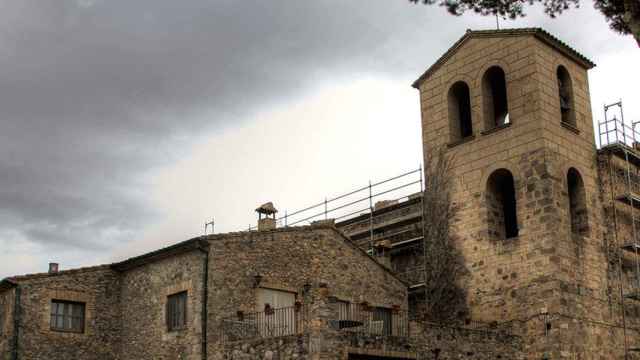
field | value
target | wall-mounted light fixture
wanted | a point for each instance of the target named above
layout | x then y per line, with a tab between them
257	279
306	288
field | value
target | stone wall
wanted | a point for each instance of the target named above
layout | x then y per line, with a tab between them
323	339
281	348
7	298
396	222
434	343
144	297
460	343
287	259
97	288
621	279
546	268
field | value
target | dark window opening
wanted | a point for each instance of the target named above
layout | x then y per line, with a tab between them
177	311
577	203
494	87
460	111
383	316
565	95
2	317
501	205
67	316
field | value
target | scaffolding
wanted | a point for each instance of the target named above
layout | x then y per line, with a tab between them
360	201
619	139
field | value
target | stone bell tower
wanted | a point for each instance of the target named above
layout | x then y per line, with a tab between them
512	107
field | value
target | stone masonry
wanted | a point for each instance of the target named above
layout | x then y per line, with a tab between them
126	304
551	282
541	227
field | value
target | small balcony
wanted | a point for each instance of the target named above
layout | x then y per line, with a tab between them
341	316
370	320
266	324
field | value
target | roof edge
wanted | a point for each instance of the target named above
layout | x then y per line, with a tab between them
6	284
197	243
538	33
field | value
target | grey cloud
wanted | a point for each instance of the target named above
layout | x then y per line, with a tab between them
95	94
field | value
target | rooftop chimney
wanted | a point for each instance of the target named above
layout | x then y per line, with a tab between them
53	268
269	220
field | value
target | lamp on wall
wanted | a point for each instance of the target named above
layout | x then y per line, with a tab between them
306	288
257	279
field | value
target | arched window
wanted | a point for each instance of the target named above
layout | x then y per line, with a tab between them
565	95
501	205
459	111
577	202
494	89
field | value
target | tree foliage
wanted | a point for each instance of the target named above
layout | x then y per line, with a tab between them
622	15
445	299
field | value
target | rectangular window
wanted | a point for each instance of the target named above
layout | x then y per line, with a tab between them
177	311
276	299
67	316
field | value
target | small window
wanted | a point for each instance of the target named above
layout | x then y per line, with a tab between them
177	311
494	89
565	95
67	316
459	111
277	299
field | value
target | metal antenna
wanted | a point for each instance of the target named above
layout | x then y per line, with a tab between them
206	225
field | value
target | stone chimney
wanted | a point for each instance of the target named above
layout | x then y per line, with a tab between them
53	268
382	253
268	222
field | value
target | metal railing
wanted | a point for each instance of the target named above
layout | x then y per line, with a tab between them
478	325
266	324
356	202
369	320
614	130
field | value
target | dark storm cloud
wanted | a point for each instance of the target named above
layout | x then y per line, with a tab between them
95	94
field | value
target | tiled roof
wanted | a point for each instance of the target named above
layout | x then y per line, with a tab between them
162	253
197	243
539	33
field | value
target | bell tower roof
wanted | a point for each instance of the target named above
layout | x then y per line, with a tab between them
538	33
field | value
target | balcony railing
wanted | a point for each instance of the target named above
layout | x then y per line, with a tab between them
372	320
273	323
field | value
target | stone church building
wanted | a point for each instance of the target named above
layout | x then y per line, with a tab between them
546	228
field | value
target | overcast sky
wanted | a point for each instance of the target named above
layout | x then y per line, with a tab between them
124	125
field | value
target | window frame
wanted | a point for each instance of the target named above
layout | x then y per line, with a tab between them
67	304
174	302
